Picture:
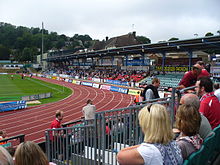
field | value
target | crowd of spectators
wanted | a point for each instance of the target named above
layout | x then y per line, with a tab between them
111	74
196	117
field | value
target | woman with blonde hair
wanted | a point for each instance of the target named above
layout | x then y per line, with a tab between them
29	153
158	147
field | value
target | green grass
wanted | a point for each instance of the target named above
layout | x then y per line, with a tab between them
16	88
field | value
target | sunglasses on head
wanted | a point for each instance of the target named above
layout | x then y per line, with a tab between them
149	107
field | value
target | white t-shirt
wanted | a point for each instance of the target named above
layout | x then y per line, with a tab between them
150	154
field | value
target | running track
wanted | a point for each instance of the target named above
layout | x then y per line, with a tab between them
33	121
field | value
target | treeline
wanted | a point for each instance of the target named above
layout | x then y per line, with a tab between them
23	44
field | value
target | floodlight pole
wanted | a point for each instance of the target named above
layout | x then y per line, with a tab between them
42	46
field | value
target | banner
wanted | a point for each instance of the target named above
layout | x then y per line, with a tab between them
95	85
134	92
36	97
87	84
118	89
105	87
172	68
12	106
116	82
96	79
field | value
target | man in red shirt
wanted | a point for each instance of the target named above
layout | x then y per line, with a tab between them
57	121
56	148
209	103
204	72
189	79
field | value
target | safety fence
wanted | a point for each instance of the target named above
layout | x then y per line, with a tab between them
12	141
99	140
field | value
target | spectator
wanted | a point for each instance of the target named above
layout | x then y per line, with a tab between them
89	112
29	153
5	157
217	91
3	135
151	92
188	122
118	130
189	79
204	72
158	146
57	121
205	129
138	98
209	103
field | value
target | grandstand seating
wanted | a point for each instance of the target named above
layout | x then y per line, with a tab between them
168	80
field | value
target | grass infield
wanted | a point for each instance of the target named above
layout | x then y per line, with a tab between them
14	89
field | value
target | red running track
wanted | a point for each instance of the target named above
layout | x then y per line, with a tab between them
33	121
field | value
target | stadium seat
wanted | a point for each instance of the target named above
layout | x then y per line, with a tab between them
205	154
209	144
195	158
217	134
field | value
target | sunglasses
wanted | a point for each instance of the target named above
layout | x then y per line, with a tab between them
149	107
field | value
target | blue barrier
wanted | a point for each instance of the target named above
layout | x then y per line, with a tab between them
117	82
87	84
12	106
118	89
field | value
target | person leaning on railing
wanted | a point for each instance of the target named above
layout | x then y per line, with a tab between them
190	77
158	147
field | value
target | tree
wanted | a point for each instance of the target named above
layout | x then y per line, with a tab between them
218	32
173	39
4	53
143	40
209	34
60	43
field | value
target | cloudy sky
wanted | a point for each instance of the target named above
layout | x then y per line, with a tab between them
156	19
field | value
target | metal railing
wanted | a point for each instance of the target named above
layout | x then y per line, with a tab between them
98	141
12	141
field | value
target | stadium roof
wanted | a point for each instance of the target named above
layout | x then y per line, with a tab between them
189	45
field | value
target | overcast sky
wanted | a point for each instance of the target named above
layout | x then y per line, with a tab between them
156	19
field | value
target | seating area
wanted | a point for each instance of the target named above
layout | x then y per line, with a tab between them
167	80
209	152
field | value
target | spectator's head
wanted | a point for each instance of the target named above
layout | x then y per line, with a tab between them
156	82
188	120
216	86
201	63
30	153
59	115
155	123
190	99
204	85
5	157
196	69
89	101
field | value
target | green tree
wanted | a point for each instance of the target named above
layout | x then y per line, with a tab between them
209	34
173	39
4	53
143	40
